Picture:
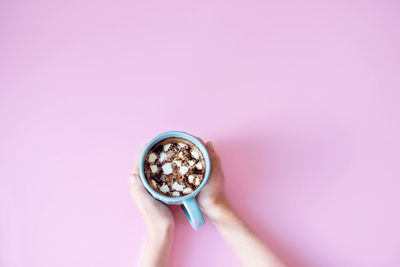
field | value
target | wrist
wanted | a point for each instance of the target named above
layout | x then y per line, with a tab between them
160	230
218	210
158	245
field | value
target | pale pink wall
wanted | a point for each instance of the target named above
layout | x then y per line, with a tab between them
301	100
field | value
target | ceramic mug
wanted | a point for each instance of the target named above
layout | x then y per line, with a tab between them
187	202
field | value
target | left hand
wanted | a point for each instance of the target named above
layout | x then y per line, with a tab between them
156	214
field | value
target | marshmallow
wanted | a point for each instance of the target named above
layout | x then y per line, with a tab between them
183	170
187	190
195	154
163	156
154	183
197	182
191	162
166	147
191	179
153	168
167	168
176	194
180	154
177	186
199	166
182	145
164	188
178	163
152	157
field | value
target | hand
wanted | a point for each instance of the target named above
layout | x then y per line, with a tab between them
158	219
212	196
157	215
249	247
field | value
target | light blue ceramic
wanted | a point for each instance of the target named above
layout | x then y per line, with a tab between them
187	202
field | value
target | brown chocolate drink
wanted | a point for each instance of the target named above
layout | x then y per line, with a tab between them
174	167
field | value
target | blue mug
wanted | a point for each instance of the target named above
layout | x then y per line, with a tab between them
187	202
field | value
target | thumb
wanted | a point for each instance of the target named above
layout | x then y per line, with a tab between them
138	191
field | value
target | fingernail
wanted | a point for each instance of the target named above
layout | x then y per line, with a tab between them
133	178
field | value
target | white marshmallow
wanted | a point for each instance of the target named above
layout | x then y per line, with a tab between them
178	163
163	156
191	162
166	147
154	183
167	168
182	145
187	190
164	188
152	157
177	186
195	154
199	166
183	170
180	154
191	179
176	194
153	168
197	181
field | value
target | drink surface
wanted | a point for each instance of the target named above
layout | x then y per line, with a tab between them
174	167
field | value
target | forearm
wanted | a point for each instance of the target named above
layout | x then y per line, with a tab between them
158	248
250	249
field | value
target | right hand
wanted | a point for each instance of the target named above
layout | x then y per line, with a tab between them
212	195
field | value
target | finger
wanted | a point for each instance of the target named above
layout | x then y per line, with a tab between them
213	155
135	167
210	146
138	192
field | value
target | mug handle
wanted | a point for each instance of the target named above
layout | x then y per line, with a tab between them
193	213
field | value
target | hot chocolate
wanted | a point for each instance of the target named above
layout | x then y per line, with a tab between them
174	167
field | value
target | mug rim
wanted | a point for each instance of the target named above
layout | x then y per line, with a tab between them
161	137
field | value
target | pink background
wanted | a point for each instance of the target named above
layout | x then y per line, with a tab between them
301	100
